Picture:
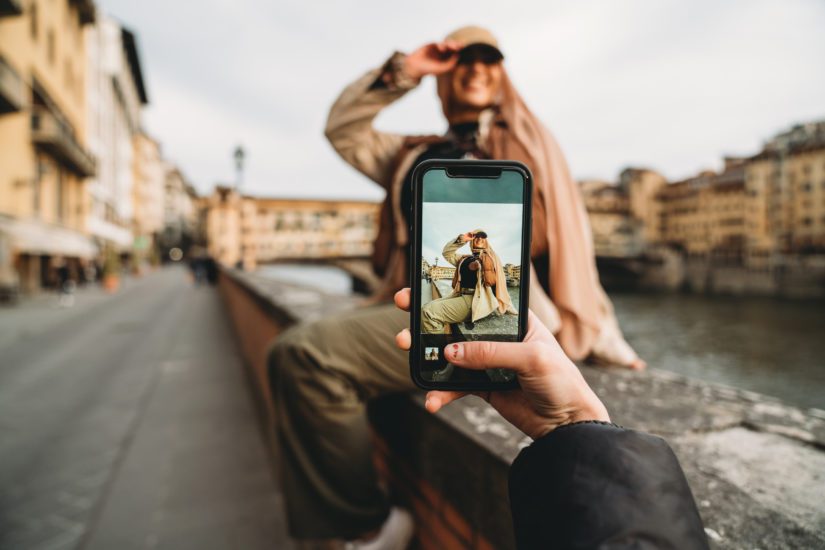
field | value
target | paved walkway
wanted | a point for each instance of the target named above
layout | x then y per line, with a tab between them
126	422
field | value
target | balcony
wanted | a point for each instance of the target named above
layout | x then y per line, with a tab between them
10	7
55	136
12	95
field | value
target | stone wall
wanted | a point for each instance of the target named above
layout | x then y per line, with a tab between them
796	277
256	326
755	464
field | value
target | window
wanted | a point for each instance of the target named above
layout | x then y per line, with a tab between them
33	22
60	205
806	187
42	169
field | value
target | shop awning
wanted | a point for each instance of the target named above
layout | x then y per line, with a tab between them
36	237
110	233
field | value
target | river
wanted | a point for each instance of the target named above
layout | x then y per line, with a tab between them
774	347
771	346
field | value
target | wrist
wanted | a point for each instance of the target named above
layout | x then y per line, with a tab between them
409	69
587	409
591	408
395	74
411	72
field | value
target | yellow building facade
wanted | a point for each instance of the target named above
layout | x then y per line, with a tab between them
147	192
727	210
806	176
683	222
641	186
785	188
757	212
44	160
223	225
616	231
704	216
513	274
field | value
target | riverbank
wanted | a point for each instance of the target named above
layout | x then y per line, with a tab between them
754	463
789	276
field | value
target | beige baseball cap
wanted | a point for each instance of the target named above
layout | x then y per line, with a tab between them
473	35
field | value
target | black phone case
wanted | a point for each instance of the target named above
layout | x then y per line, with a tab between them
467	168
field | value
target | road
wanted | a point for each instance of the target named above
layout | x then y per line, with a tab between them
126	421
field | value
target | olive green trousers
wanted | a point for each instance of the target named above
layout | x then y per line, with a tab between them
321	375
442	311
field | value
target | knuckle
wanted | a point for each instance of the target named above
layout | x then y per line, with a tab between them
536	355
484	352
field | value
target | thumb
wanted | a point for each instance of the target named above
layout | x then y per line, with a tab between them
516	356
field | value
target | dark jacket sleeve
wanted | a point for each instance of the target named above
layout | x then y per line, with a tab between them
596	485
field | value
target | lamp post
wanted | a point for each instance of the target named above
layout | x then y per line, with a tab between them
239	155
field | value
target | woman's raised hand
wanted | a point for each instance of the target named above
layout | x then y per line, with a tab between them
434	58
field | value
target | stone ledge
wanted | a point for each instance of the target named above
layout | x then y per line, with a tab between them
736	446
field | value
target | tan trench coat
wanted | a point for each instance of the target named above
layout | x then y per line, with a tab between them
484	299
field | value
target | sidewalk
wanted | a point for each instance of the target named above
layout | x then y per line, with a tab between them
31	315
127	422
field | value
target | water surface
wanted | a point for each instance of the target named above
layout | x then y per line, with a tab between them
771	346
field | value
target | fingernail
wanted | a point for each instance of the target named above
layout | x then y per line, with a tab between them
456	352
432	404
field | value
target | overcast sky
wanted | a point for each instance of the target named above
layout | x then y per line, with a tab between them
443	221
669	85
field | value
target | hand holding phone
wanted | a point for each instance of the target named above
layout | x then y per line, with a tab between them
468	285
552	393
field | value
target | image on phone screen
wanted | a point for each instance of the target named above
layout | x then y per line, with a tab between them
472	240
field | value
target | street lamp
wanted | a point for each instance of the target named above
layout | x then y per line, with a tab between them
239	155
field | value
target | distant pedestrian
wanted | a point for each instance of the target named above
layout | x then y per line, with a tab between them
65	285
90	272
211	267
198	268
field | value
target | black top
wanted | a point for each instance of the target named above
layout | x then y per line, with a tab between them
596	485
467	277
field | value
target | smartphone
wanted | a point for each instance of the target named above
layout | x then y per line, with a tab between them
470	266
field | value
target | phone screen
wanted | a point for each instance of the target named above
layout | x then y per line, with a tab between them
472	264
